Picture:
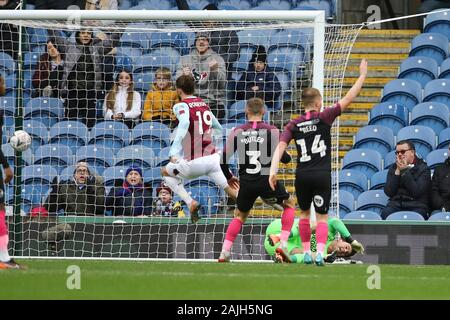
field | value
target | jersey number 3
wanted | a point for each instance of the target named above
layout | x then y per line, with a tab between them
254	155
318	146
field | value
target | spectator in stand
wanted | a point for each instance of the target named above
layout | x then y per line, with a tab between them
161	99
133	198
440	194
58	4
209	72
2	86
164	205
9	34
83	77
122	103
101	5
85	195
47	77
408	182
259	81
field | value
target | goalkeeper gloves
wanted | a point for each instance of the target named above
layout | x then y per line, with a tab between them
358	247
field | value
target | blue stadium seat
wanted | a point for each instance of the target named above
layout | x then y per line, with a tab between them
444	139
444	70
176	40
389	159
67	173
123	62
352	181
170	52
378	180
362	215
346	202
38	132
436	157
433	45
73	134
434	115
8	105
242	64
130	52
97	157
406	92
197	4
135	155
424	139
316	5
394	116
110	134
7	64
111	175
152	177
405	216
292	43
420	69
254	38
38	37
205	191
366	160
134	39
372	200
163	157
440	216
57	155
150	63
31	60
236	4
154	135
375	137
437	91
10	155
47	110
143	82
438	22
279	4
39	174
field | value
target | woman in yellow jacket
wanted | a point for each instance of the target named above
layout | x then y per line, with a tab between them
160	100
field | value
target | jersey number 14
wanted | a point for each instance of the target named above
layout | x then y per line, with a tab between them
318	146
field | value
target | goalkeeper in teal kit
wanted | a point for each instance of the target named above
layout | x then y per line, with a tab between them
346	246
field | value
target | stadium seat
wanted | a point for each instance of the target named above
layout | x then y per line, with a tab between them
151	62
110	134
280	4
8	105
10	155
366	160
420	69
237	4
346	202
176	40
436	157
130	52
114	174
134	39
123	62
242	64
254	38
67	173
57	155
405	215
135	155
7	64
38	37
143	82
391	115
438	22
154	135
378	138
47	110
433	45
440	216
38	132
389	159
372	200
205	191
424	139
97	157
352	181
406	92
434	115
378	180
316	5
31	60
152	177
73	134
444	139
163	157
362	215
444	70
39	174
437	91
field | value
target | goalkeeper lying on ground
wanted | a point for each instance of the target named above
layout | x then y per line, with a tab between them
344	247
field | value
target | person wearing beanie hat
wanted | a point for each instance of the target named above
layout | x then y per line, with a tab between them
133	198
259	81
164	205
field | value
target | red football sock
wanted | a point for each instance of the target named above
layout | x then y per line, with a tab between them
305	234
321	236
232	231
287	220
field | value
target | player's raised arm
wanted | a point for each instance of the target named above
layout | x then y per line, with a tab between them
182	112
356	88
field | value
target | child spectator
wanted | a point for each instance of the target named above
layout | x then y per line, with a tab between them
160	100
164	205
122	102
259	81
50	70
132	198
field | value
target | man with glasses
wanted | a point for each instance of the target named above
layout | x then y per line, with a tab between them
408	182
84	195
440	194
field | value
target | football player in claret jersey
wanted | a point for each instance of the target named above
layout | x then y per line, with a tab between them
311	133
255	142
194	140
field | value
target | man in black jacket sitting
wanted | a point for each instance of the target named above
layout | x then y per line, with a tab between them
408	182
440	194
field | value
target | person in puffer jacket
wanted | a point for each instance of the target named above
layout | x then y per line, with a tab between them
440	194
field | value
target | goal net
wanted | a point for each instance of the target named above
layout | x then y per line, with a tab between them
95	92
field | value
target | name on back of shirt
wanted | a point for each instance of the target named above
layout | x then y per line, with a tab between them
252	136
308	126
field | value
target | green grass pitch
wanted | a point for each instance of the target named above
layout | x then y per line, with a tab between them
47	279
